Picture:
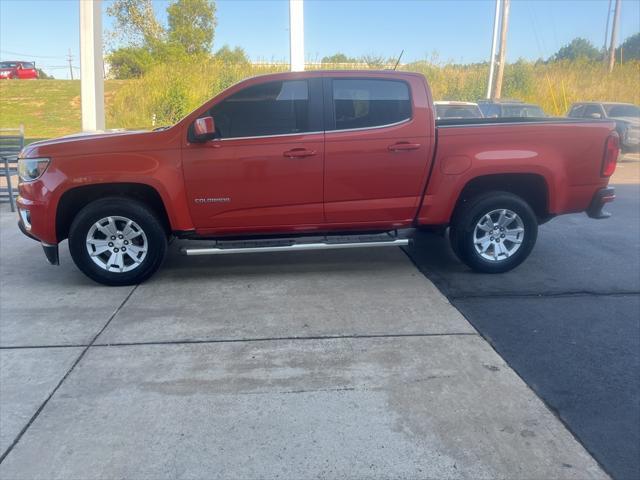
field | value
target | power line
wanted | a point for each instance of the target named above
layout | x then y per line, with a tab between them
28	55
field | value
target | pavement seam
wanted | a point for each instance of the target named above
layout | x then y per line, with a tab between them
242	340
280	339
577	293
59	384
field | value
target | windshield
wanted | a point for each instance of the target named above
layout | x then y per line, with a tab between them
28	65
522	111
458	111
8	64
622	111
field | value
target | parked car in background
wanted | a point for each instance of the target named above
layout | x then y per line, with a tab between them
10	70
626	116
509	108
457	110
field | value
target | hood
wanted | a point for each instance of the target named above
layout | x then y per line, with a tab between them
98	142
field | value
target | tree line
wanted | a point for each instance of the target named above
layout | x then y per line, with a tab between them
141	41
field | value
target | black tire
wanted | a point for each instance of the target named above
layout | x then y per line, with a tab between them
462	232
155	239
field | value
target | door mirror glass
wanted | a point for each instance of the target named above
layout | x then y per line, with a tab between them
204	128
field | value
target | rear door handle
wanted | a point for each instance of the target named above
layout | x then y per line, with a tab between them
403	147
299	153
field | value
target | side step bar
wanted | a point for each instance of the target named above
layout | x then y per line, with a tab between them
299	247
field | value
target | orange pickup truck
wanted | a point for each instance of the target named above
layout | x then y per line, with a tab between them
313	160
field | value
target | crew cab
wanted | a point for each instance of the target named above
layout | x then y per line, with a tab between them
312	160
18	70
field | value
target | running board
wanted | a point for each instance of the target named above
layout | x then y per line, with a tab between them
296	247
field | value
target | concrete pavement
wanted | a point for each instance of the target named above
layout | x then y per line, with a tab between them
315	365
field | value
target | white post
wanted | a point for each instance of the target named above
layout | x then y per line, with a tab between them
494	44
91	66
296	35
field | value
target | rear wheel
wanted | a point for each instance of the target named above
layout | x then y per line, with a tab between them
117	241
494	232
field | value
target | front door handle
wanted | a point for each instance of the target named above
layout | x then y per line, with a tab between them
299	153
404	147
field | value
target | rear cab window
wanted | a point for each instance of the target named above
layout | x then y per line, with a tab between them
368	103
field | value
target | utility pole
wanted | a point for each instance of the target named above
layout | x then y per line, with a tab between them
70	59
494	44
504	25
606	29
296	35
614	35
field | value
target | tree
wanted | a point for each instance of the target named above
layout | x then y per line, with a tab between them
135	22
192	24
237	55
145	41
577	48
338	58
630	48
129	62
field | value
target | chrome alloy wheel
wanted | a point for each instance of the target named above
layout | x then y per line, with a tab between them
117	244
498	235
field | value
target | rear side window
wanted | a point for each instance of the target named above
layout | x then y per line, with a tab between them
274	108
363	103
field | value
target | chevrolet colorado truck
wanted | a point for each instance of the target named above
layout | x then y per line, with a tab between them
312	160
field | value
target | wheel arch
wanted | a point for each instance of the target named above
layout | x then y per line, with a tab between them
531	187
74	199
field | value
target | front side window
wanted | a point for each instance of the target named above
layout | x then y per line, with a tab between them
362	103
274	108
577	111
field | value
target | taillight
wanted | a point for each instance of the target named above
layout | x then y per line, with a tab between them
611	152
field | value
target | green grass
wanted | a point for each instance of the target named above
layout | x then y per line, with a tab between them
51	108
46	108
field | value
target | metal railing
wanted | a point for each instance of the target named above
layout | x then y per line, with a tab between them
11	143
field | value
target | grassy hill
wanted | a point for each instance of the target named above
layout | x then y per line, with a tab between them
46	108
51	108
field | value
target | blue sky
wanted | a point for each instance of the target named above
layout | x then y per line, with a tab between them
455	30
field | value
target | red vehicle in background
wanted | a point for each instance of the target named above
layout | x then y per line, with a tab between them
18	70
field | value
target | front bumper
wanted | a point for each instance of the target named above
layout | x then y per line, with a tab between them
50	251
600	198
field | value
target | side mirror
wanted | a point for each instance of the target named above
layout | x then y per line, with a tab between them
204	128
595	115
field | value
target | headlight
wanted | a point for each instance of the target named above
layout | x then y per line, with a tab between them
30	169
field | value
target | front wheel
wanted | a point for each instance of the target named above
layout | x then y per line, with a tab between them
494	232
117	241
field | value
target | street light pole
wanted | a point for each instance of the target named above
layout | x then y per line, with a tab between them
91	67
296	35
494	44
